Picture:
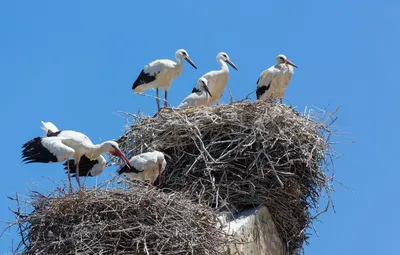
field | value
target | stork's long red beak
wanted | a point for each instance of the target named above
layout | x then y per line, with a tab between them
291	63
123	157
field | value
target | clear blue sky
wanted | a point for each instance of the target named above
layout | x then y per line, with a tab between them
73	63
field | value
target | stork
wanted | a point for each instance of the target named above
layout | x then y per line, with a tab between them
61	145
160	73
273	81
199	97
217	79
87	167
146	167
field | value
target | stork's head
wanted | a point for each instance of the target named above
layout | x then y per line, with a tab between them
282	59
182	54
224	57
113	148
202	84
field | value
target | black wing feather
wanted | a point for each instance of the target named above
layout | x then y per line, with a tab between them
143	78
261	90
126	169
85	165
34	152
50	134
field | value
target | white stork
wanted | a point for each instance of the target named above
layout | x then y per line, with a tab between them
61	145
217	79
87	167
146	167
160	73
273	81
199	97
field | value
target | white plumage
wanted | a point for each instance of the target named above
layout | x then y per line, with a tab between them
272	83
147	166
48	126
218	79
198	98
160	73
61	145
98	167
56	147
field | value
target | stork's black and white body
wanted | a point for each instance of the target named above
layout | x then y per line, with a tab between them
61	145
200	97
87	167
218	79
147	166
273	81
160	73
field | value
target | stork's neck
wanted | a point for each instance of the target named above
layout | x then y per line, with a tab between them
179	62
224	66
97	150
285	67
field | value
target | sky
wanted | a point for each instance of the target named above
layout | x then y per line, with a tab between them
73	63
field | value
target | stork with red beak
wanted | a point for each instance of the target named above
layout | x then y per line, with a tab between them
58	146
146	167
272	83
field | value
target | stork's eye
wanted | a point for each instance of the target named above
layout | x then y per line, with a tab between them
184	53
281	58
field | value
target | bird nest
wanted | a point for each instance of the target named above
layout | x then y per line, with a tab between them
244	154
118	221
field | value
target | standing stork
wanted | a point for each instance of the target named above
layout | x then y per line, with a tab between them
87	167
160	73
273	81
198	98
146	167
218	79
61	145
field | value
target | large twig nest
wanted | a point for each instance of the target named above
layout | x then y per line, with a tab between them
118	221
243	154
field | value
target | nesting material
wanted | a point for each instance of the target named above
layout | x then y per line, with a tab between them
118	221
243	154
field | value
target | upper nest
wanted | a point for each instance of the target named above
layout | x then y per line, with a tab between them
118	221
242	154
